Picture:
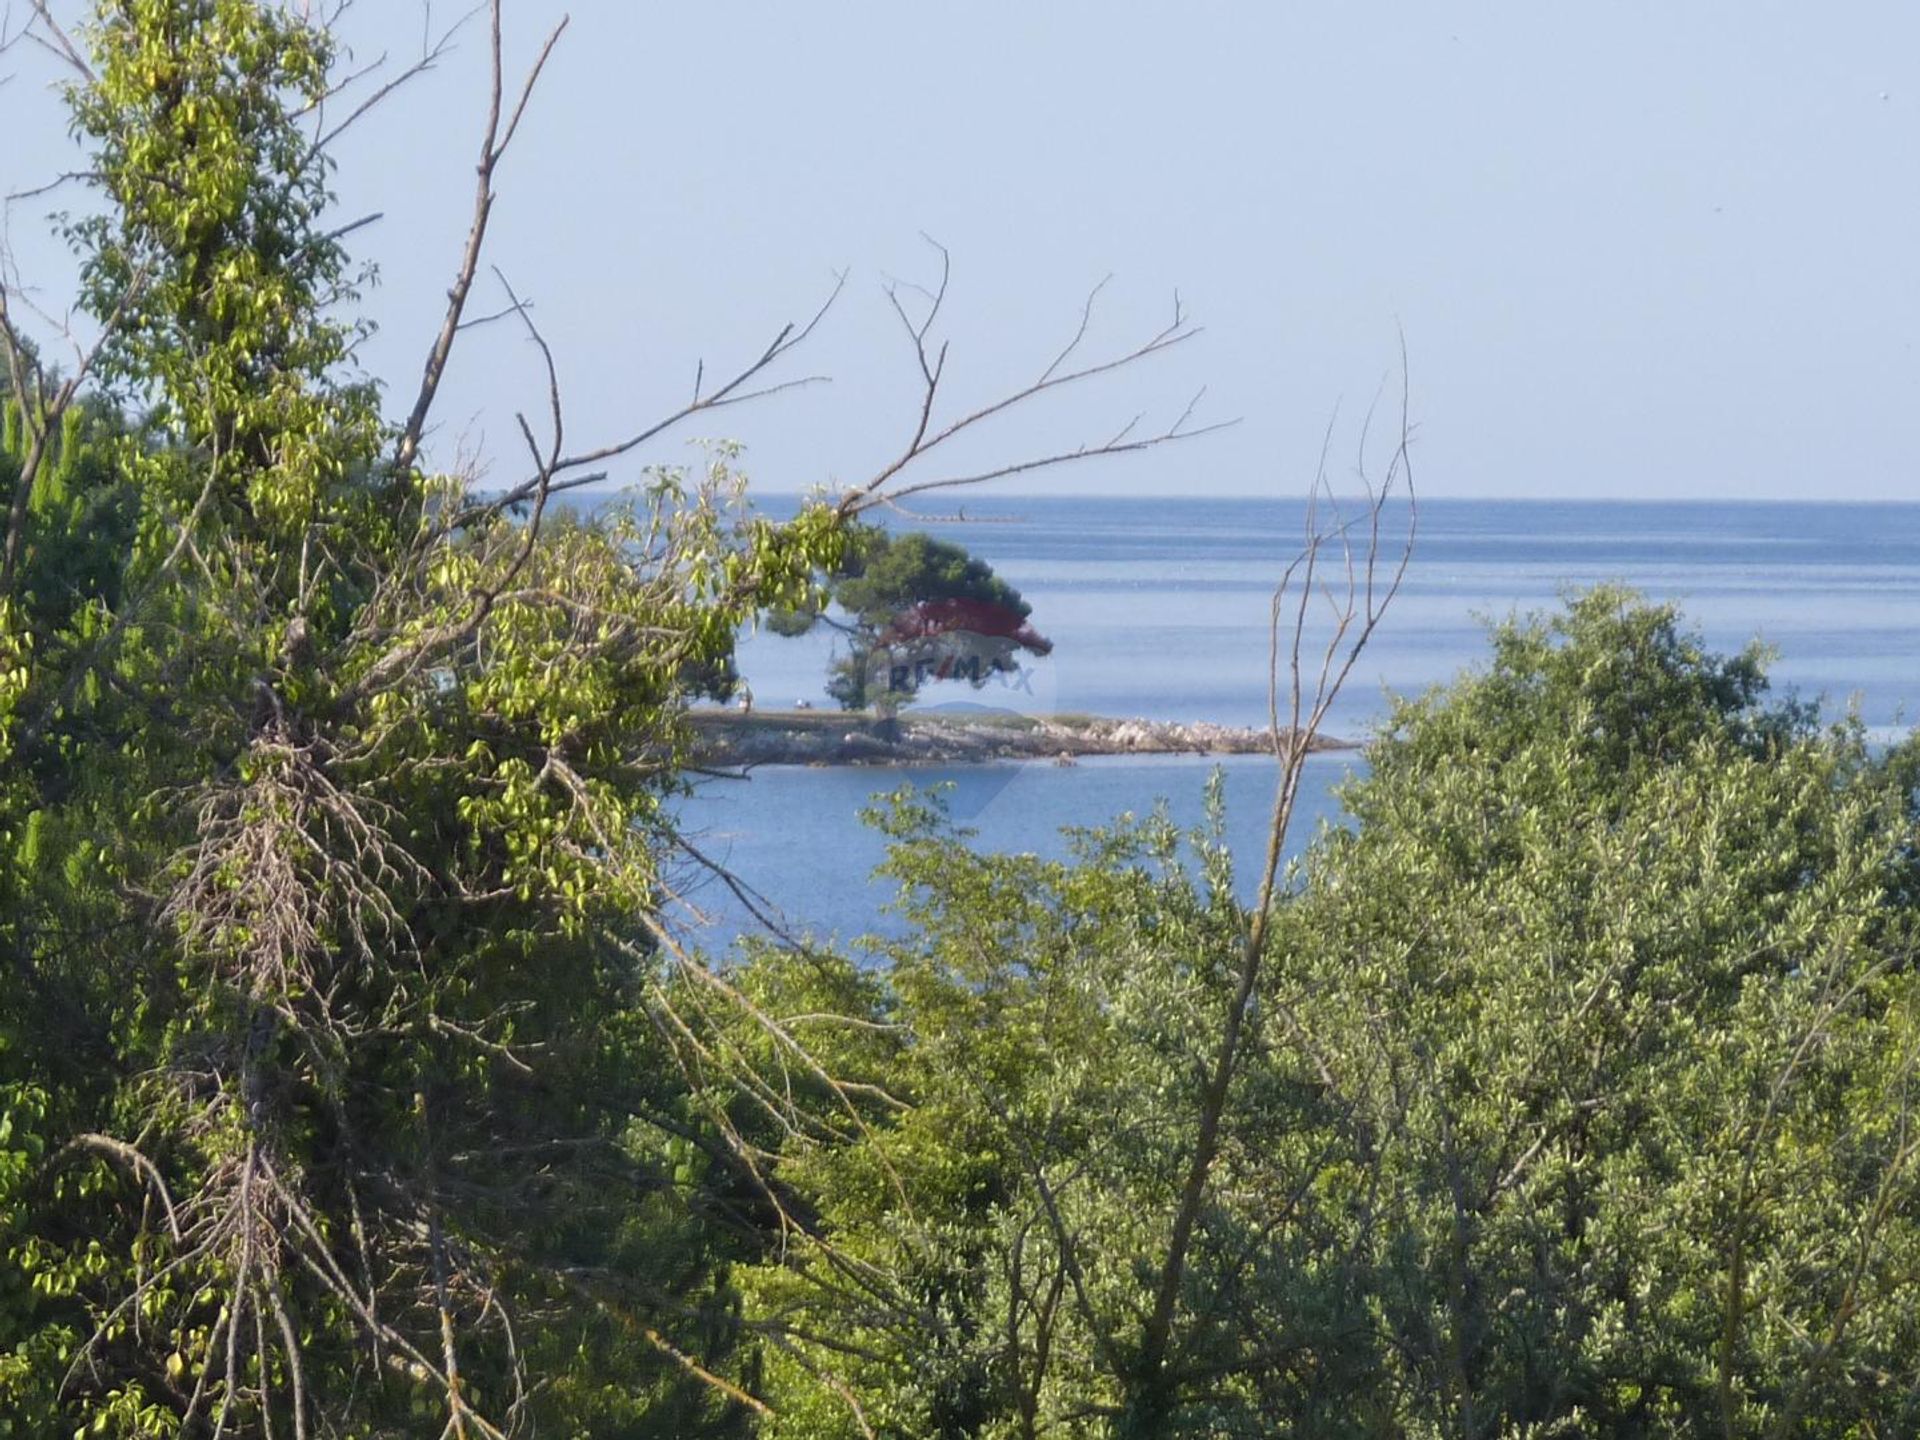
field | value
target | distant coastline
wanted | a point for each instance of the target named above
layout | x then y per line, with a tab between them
731	738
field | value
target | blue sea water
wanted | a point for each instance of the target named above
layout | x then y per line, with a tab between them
1159	608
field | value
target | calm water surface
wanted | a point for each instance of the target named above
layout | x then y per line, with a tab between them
1158	608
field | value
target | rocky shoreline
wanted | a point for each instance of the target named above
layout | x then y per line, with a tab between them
729	739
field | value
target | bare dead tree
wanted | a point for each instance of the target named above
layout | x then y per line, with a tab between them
891	483
1338	589
502	124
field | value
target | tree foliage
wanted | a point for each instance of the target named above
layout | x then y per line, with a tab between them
332	837
894	593
351	1083
1580	1098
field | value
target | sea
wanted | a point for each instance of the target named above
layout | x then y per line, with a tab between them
1161	607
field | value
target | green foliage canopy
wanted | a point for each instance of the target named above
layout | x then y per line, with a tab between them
1581	1098
331	839
882	577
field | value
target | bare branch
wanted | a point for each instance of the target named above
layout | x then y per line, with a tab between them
133	1159
737	391
493	147
64	178
930	359
432	51
1372	580
43	30
1115	447
341	232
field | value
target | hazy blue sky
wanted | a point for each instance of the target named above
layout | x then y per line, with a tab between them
1647	249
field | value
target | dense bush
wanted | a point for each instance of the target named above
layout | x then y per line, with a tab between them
1581	1101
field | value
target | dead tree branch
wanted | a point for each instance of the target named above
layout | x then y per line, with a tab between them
930	356
497	137
1370	571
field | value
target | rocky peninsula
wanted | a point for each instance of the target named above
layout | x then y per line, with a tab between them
733	739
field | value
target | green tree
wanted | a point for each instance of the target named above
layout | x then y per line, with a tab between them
1614	976
1578	1096
991	1223
896	596
341	1079
332	824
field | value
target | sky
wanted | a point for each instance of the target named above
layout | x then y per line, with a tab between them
1633	249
